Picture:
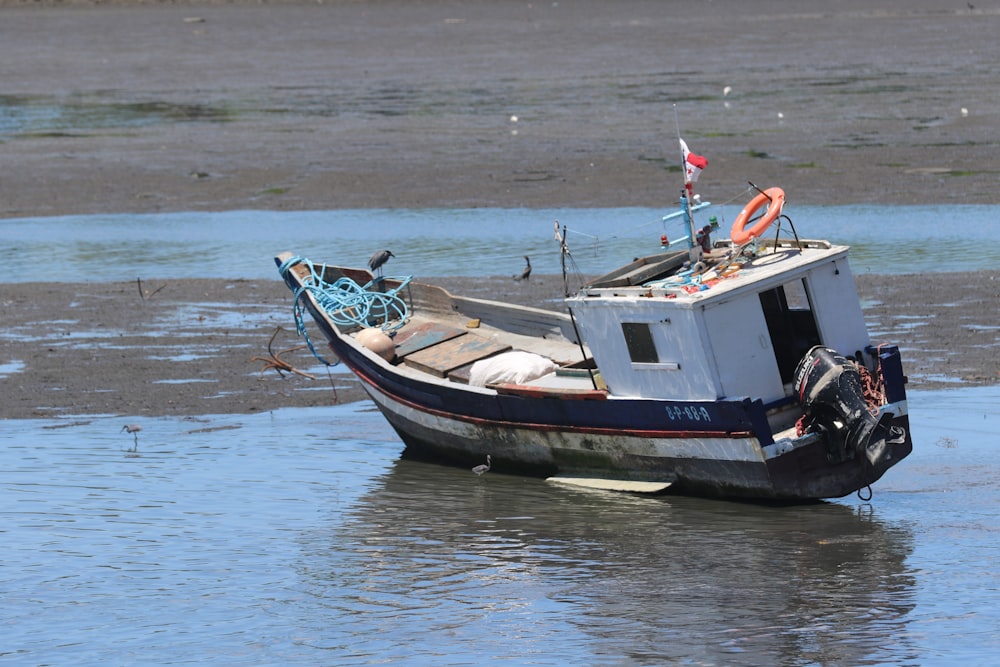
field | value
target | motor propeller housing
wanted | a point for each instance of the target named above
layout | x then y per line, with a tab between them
830	389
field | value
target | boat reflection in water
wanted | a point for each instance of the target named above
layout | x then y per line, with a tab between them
435	562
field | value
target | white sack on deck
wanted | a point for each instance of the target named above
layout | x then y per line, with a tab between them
512	367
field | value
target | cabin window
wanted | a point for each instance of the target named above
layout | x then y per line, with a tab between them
639	340
790	323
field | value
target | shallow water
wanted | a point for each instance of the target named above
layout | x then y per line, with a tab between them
449	242
301	537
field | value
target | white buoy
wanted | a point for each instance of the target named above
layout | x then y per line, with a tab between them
378	342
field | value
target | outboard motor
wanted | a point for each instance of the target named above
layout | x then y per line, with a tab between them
830	389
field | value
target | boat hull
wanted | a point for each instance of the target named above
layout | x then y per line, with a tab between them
724	459
717	448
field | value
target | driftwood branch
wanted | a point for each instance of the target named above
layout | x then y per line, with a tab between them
274	360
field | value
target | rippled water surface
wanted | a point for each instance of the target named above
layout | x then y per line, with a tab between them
448	242
302	537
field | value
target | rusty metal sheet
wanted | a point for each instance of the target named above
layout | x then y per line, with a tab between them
445	357
414	337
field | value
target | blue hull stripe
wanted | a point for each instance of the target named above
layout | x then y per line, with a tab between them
638	418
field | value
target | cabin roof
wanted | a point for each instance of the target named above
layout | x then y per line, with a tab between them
775	265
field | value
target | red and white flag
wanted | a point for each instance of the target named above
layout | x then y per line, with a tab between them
693	164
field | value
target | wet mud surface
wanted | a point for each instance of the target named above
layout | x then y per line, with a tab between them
148	106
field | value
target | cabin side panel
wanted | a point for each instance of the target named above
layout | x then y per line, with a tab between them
742	350
647	350
834	296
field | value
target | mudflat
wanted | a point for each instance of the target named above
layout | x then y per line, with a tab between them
123	106
137	106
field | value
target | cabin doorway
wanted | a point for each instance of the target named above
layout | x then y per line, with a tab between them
791	324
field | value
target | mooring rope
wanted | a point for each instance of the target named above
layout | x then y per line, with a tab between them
346	302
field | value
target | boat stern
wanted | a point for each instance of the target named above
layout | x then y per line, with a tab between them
855	425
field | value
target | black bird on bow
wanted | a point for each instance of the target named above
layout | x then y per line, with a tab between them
379	258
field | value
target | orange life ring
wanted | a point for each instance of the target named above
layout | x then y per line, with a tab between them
773	196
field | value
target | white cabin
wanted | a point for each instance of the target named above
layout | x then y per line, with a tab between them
741	336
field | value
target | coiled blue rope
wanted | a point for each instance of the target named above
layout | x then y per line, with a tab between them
345	302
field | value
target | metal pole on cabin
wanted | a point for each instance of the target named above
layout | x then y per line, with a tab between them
694	249
562	260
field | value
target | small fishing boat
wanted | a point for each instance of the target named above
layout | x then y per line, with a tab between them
737	368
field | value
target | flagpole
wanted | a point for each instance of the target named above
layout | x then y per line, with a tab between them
694	249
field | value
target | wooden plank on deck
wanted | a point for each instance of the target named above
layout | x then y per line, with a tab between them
461	374
414	337
446	356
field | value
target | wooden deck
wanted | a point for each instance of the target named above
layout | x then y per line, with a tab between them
449	348
445	334
444	357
